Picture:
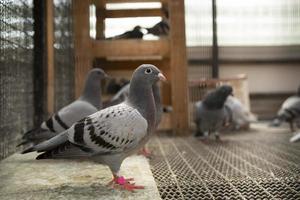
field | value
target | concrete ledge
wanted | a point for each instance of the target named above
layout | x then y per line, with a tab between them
23	177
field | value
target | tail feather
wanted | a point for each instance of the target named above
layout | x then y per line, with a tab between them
36	136
49	144
295	138
66	150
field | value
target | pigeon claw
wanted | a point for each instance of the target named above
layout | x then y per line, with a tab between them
145	152
124	184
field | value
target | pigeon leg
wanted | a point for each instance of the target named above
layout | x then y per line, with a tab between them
217	135
292	126
119	182
145	152
206	133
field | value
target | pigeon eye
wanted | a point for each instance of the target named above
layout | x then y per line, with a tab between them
148	71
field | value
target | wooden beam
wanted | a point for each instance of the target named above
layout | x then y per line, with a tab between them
130	48
133	1
82	43
50	57
178	72
108	65
130	13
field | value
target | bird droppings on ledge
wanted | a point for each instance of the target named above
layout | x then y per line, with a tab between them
23	177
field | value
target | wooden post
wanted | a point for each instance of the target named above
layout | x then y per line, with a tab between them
82	43
215	50
50	56
100	25
178	67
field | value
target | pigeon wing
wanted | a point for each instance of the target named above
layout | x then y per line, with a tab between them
111	130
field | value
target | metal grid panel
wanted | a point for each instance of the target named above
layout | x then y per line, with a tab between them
63	53
16	72
252	165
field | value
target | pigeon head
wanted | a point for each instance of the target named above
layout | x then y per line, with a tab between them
141	94
137	28
97	74
217	98
148	74
92	87
224	91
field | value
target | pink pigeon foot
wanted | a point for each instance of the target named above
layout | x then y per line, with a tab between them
119	182
145	152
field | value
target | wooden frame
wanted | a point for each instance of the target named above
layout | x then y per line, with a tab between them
169	53
50	56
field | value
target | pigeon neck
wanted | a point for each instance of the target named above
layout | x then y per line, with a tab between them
92	93
141	97
156	95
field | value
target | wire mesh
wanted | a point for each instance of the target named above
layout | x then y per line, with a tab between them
63	53
241	166
16	72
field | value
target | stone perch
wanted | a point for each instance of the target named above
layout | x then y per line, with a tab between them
23	177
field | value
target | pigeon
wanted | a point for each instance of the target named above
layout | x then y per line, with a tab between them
111	134
88	103
162	28
239	116
135	33
210	113
289	111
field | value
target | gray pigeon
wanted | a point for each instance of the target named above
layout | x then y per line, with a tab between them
88	103
210	113
289	111
112	134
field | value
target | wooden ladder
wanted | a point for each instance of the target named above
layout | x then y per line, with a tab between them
167	53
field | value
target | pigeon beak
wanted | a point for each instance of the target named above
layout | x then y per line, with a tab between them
162	77
107	76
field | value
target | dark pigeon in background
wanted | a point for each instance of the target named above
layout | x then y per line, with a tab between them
88	103
115	85
112	134
289	112
210	113
135	33
160	29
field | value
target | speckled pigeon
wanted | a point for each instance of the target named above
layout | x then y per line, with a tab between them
289	111
112	134
88	103
210	113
